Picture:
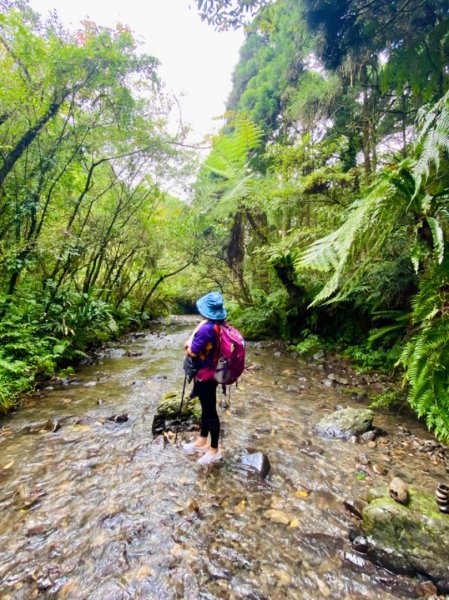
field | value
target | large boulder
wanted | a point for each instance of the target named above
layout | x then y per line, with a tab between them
345	423
167	415
412	538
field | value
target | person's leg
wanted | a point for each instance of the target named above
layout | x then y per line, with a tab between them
210	422
200	444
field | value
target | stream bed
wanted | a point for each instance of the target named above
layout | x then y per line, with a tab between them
101	509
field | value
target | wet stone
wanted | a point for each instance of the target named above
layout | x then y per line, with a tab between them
398	490
256	461
360	544
119	418
293	388
363	459
170	417
345	423
379	469
368	436
355	507
412	538
327	382
277	516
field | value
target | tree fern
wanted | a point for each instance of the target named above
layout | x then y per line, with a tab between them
232	148
433	138
369	223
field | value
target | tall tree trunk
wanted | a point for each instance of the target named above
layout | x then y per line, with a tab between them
28	138
366	123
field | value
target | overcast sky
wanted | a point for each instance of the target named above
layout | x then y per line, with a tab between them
197	61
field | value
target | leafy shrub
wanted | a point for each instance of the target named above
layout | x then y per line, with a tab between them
310	344
365	358
389	399
268	317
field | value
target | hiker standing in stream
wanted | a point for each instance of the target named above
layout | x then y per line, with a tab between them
203	347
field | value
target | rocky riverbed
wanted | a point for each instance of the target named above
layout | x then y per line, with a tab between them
93	505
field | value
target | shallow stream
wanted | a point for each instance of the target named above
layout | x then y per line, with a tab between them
98	509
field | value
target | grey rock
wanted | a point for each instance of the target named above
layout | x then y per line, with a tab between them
338	379
363	459
360	544
398	490
318	355
327	382
368	436
345	423
257	461
293	388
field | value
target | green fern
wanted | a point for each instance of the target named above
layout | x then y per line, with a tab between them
370	222
433	138
414	196
231	150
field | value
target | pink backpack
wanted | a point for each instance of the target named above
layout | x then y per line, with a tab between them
231	357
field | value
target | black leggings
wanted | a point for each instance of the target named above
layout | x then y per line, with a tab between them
210	423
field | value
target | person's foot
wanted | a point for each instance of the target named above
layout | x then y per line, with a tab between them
210	457
194	447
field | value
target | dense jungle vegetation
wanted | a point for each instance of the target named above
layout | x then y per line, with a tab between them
321	211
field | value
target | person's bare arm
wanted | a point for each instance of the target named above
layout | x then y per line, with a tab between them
188	343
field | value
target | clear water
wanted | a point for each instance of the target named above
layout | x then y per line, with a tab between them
104	511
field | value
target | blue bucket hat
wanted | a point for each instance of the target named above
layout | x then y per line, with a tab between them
210	307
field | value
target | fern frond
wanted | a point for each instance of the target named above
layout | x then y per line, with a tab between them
231	150
346	250
433	138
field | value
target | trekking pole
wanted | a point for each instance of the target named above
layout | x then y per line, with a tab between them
180	407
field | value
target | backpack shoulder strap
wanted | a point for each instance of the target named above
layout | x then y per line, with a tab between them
217	330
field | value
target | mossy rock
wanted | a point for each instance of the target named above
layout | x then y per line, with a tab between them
345	423
167	415
412	538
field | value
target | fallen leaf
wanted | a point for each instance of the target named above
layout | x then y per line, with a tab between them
9	465
301	494
294	524
241	506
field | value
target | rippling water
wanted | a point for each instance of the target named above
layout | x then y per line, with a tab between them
102	510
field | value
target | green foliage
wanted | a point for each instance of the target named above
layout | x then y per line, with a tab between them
366	358
84	225
27	354
310	344
267	317
390	399
426	353
405	196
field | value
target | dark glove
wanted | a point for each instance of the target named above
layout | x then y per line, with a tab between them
189	368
